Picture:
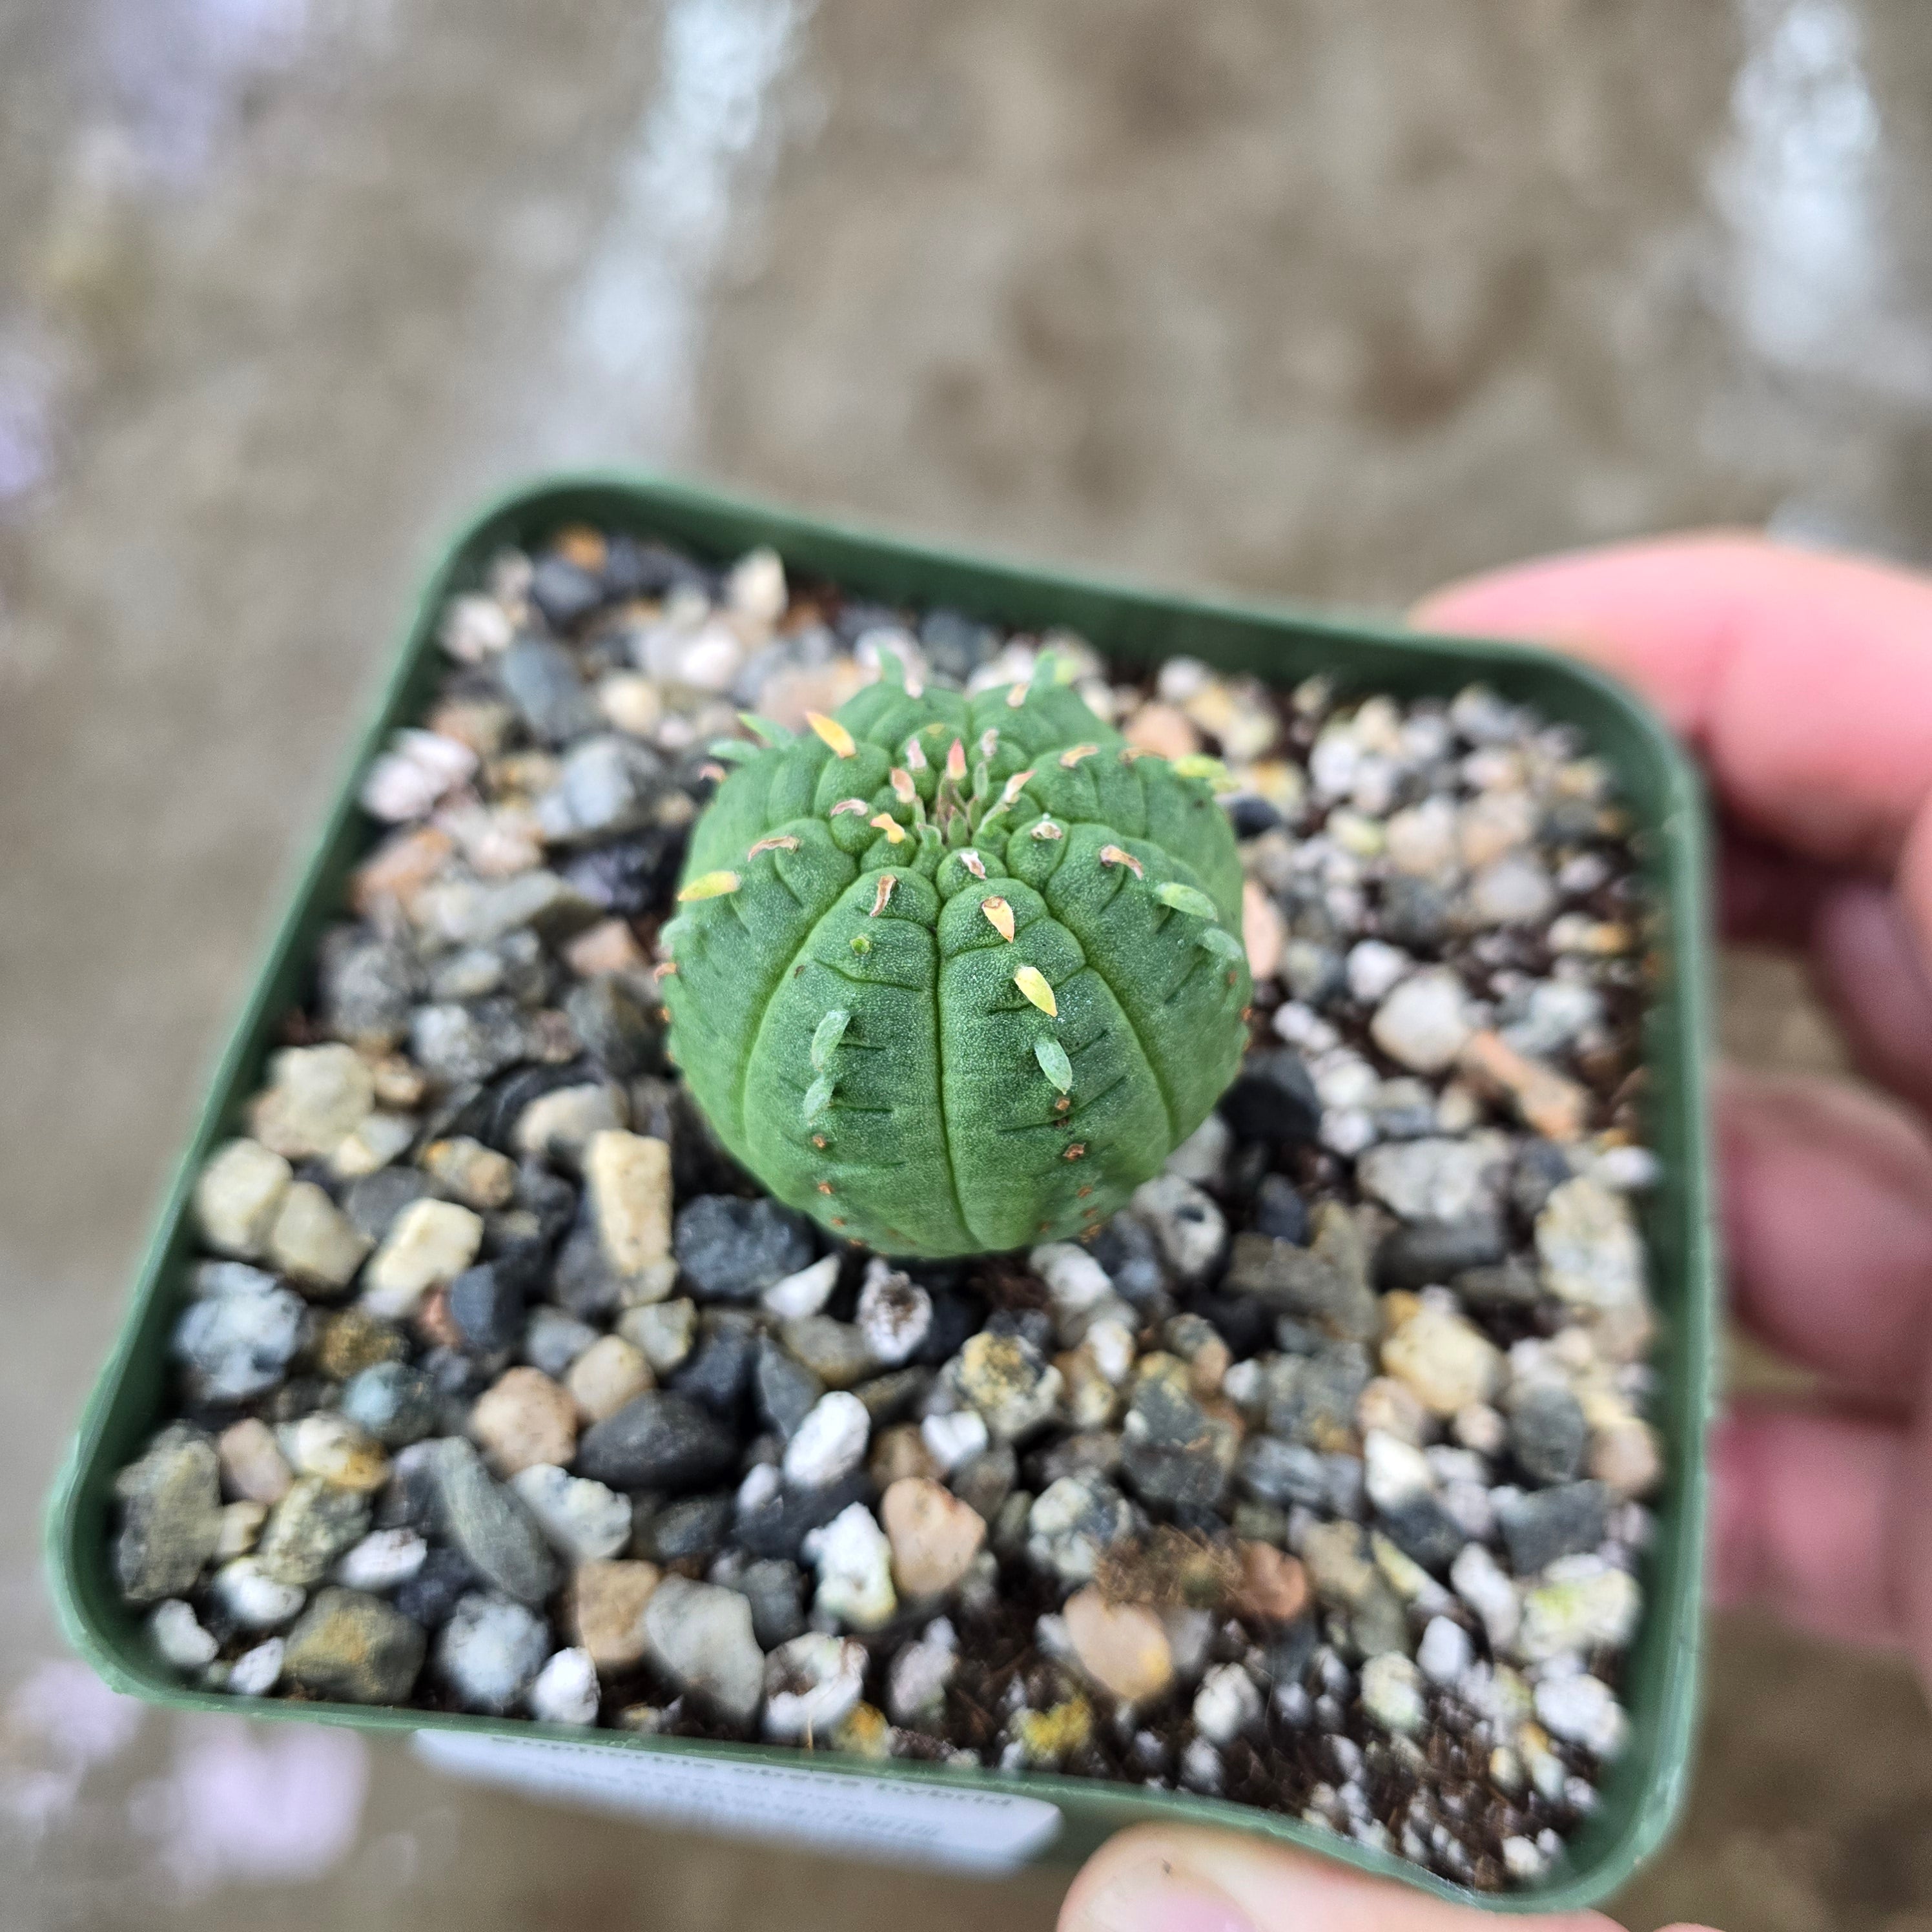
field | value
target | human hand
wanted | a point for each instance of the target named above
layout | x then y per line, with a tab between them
1804	683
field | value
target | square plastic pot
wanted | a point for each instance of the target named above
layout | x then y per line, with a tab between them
984	1819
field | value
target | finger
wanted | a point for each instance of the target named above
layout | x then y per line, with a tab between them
1828	1223
1869	972
1804	680
1765	894
1813	1521
1161	1879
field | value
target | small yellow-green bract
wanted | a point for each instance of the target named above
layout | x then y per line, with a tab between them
862	1036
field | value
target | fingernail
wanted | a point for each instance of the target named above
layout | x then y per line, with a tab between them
1160	1897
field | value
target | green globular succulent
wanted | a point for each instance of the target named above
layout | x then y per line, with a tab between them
954	974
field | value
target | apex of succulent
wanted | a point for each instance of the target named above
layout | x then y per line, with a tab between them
955	973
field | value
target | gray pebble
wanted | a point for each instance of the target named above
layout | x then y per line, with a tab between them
658	1442
375	1201
170	1516
1547	1431
541	681
730	1249
395	1403
552	1340
786	1389
497	1535
486	1303
1173	1451
1429	1251
773	1587
1539	1526
692	1527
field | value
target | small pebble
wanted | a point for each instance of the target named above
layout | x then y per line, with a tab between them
812	1683
489	1651
829	1443
566	1690
934	1537
853	1561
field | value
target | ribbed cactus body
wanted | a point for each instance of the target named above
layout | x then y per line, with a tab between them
954	974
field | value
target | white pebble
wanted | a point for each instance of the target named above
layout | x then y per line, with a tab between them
177	1635
1445	1651
1478	1580
829	1443
1392	1693
955	1438
253	1597
384	1559
894	1313
565	1690
1373	968
1425	1022
256	1673
1227	1704
812	1684
804	1293
580	1519
1583	1710
854	1562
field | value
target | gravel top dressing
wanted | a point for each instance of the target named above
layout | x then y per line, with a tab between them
1292	1448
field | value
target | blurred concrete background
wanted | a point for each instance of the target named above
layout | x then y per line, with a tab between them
1331	301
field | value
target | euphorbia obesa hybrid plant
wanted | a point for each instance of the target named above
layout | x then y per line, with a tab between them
955	973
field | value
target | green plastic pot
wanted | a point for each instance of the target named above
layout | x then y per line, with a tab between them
923	1810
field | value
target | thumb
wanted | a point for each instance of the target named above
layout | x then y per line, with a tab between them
1158	1879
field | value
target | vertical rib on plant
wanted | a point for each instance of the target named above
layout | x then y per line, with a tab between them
953	973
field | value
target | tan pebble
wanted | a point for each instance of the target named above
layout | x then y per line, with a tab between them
376	1142
253	1466
481	723
632	701
1274	1585
863	1732
560	1124
1163	730
934	1535
335	1449
1122	1647
1480	1427
435	1326
400	1082
1627	1457
608	946
352	1339
240	1528
1394	1407
604	1610
428	1245
1263	932
316	1097
581	544
237	1195
1493	823
313	1243
1548	1102
1090	1399
900	1452
1448	1361
606	1376
524	1418
628	1176
1208	1367
479	1176
396	873
787	695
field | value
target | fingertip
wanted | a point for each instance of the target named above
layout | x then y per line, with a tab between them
1162	1878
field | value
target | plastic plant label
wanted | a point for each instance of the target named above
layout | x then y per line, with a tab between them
986	1831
